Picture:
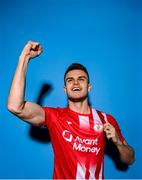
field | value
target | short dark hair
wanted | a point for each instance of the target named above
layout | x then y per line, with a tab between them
77	66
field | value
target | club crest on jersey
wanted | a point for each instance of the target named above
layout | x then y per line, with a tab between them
98	126
67	135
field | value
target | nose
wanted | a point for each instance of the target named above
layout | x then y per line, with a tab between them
76	81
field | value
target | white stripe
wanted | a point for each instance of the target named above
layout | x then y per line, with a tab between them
92	171
84	122
81	171
96	116
105	117
101	171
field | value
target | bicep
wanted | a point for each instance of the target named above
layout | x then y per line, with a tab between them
32	113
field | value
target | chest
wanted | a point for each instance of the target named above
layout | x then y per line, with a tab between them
83	134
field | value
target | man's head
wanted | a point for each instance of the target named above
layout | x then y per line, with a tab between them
76	82
76	66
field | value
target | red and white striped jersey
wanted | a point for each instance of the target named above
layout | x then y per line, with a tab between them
78	142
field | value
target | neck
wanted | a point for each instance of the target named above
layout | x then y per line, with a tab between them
80	107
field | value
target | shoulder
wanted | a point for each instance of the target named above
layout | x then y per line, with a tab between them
52	115
52	110
106	117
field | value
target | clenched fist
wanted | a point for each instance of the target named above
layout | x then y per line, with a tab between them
31	50
111	133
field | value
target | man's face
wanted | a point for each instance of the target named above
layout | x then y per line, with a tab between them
76	85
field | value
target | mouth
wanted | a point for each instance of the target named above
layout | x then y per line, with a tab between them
76	89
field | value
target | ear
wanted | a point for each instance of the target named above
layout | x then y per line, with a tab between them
65	89
89	87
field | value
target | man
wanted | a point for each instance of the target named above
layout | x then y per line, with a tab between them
78	131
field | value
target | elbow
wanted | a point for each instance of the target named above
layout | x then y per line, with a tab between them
130	159
132	156
13	108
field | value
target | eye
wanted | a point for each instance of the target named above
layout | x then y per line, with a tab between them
69	80
81	79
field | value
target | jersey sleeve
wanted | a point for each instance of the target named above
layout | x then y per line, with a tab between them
50	116
112	121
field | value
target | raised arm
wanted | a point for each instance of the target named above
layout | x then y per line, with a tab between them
28	111
126	152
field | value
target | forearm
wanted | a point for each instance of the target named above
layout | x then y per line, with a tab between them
17	90
126	153
28	111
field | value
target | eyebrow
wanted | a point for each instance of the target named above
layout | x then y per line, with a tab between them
78	77
82	77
